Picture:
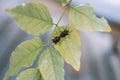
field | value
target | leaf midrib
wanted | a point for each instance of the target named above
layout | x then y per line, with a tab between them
39	19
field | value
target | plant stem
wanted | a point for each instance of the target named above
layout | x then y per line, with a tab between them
61	17
69	2
56	25
63	13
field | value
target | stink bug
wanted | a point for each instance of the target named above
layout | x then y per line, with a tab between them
64	33
56	39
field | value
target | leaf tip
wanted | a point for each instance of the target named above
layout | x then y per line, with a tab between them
109	29
77	69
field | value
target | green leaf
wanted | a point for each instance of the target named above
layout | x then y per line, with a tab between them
51	65
83	18
62	1
23	56
69	46
30	74
34	18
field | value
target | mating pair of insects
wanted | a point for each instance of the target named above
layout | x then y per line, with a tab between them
63	33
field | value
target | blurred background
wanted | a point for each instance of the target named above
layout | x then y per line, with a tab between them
100	58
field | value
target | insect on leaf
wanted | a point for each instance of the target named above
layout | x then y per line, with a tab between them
30	74
51	65
23	56
83	18
34	18
69	46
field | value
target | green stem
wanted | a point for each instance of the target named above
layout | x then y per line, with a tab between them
69	2
63	13
61	16
56	25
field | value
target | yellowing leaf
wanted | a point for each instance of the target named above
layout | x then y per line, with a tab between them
34	18
30	74
23	56
69	46
51	65
83	18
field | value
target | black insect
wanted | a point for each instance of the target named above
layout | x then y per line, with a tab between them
64	33
56	39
